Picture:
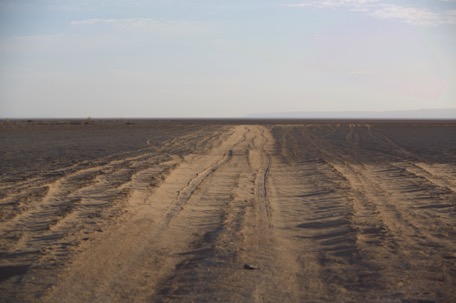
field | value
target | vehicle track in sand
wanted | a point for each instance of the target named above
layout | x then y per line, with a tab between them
377	217
56	215
414	212
191	237
313	212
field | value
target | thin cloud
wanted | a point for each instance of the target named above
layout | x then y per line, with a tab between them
352	4
375	8
416	16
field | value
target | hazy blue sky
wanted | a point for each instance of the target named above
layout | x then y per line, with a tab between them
213	58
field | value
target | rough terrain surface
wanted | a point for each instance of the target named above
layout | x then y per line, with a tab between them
175	211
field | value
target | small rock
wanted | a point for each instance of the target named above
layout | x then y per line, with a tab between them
250	267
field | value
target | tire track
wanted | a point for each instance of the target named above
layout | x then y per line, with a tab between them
276	280
46	237
148	230
388	218
218	220
312	212
186	193
72	211
411	236
235	232
318	221
439	174
403	226
202	264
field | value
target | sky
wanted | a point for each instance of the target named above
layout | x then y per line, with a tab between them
213	58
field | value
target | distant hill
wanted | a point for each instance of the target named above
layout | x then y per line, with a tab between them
446	113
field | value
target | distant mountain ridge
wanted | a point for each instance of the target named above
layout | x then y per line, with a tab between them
434	113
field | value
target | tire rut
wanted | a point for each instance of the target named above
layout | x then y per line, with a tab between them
390	218
314	212
61	217
160	221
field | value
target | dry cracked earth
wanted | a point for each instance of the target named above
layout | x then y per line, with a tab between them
174	211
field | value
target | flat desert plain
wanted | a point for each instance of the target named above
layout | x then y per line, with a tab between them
227	211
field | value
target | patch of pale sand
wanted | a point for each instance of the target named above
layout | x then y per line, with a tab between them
104	261
443	175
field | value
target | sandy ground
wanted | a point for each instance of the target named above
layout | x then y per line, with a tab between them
169	212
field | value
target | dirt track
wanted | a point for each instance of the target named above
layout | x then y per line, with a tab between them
323	212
